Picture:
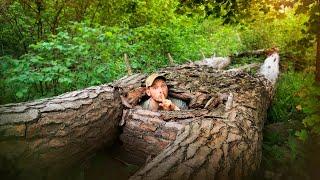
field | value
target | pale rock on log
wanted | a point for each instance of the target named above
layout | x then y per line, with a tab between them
270	67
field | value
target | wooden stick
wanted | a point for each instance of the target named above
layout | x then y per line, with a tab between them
215	62
171	62
203	56
244	67
258	52
126	60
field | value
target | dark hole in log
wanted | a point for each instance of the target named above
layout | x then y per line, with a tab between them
137	96
147	133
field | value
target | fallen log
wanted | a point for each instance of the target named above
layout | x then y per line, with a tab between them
57	132
219	141
222	62
219	136
259	52
215	62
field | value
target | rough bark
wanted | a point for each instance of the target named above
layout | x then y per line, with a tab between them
58	131
220	137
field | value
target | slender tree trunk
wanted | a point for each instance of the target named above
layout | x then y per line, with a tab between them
318	58
40	8
55	22
94	13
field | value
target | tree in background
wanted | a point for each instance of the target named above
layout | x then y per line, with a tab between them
229	10
312	8
24	22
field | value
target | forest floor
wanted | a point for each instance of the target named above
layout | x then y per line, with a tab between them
286	157
280	160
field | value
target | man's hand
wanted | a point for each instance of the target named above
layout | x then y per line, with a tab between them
167	105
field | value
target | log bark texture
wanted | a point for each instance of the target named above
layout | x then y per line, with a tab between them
220	137
59	131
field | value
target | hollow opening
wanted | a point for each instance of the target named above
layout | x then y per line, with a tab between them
146	133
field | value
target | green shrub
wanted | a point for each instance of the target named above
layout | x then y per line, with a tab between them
285	33
80	56
285	106
310	98
288	96
297	99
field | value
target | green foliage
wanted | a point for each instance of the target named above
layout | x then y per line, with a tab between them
28	22
155	12
80	56
297	99
272	150
293	147
229	10
280	26
67	61
310	96
280	148
284	33
14	39
302	134
312	8
51	47
275	32
285	106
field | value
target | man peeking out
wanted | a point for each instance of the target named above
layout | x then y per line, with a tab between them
157	90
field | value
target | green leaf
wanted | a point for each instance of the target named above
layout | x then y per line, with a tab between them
65	80
19	94
108	34
100	69
302	135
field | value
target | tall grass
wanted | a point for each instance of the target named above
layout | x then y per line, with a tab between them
286	104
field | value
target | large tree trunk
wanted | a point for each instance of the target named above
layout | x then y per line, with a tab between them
220	136
57	132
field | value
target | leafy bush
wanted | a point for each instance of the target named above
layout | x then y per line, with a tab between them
310	98
285	106
297	98
80	56
285	33
65	62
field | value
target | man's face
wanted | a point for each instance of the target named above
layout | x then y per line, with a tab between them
158	88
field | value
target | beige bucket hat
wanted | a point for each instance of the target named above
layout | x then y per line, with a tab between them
150	79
